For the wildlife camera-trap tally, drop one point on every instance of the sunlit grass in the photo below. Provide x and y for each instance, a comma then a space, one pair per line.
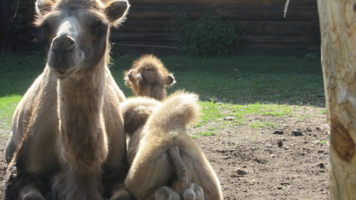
7, 107
214, 112
303, 117
206, 133
258, 124
230, 88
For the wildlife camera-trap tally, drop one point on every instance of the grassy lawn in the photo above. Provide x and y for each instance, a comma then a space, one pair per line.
229, 87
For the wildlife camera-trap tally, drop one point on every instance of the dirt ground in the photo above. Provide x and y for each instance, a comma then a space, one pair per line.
261, 164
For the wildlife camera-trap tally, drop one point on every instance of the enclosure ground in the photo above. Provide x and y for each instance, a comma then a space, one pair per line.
260, 164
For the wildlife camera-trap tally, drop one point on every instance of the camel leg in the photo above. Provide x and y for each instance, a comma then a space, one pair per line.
114, 188
10, 149
166, 193
22, 186
147, 173
30, 192
73, 184
121, 194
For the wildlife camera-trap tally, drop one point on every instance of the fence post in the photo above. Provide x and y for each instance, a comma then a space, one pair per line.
338, 57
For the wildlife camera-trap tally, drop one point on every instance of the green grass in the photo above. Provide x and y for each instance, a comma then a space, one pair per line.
303, 117
228, 86
7, 107
207, 133
258, 124
214, 112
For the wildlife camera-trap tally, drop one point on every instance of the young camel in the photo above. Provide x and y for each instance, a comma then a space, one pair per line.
153, 147
68, 128
149, 77
165, 162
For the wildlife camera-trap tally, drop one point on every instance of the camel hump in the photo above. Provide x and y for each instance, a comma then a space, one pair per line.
136, 111
177, 111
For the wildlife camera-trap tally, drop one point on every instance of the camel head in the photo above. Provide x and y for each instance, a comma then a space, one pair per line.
149, 77
78, 31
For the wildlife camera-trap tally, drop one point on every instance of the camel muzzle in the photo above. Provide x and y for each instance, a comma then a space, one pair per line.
64, 56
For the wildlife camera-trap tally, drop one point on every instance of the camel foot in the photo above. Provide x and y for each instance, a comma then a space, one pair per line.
33, 195
194, 192
166, 193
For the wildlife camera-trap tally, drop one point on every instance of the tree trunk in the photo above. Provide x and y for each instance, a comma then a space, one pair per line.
338, 56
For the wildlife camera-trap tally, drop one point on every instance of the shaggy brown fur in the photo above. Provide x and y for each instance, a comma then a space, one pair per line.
149, 77
68, 129
159, 143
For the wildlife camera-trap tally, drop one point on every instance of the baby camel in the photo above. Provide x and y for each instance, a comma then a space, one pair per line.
149, 77
166, 163
68, 129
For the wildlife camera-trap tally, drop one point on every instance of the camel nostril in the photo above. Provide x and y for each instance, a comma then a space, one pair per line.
70, 41
63, 43
60, 71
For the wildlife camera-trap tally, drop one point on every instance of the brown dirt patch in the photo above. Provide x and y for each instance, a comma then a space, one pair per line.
251, 165
259, 164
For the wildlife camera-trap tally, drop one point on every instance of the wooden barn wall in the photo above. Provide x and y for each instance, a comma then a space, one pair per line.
19, 30
145, 30
5, 15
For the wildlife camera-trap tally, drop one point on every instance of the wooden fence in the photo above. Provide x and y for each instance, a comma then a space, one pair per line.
145, 30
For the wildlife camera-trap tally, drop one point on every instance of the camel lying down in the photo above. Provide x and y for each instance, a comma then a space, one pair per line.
68, 133
166, 163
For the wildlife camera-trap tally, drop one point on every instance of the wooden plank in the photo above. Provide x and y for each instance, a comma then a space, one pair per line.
151, 43
128, 36
277, 39
23, 18
20, 28
5, 13
272, 46
250, 39
244, 49
2, 25
313, 47
143, 49
276, 28
223, 2
143, 26
23, 5
248, 27
272, 50
22, 38
255, 13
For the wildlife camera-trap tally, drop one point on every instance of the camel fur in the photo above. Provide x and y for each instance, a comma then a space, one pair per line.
68, 134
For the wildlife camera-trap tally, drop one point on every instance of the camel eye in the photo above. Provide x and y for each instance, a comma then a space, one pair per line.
99, 28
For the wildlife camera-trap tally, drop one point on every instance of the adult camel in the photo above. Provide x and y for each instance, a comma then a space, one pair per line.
67, 134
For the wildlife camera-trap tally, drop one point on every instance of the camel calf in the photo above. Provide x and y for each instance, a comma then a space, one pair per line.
166, 163
149, 77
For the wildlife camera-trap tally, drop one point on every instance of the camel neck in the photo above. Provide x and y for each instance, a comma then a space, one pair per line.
80, 102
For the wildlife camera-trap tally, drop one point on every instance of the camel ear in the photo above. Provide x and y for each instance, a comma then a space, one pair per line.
139, 79
116, 11
169, 80
43, 7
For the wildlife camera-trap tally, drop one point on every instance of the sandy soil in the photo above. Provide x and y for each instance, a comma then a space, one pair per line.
261, 164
